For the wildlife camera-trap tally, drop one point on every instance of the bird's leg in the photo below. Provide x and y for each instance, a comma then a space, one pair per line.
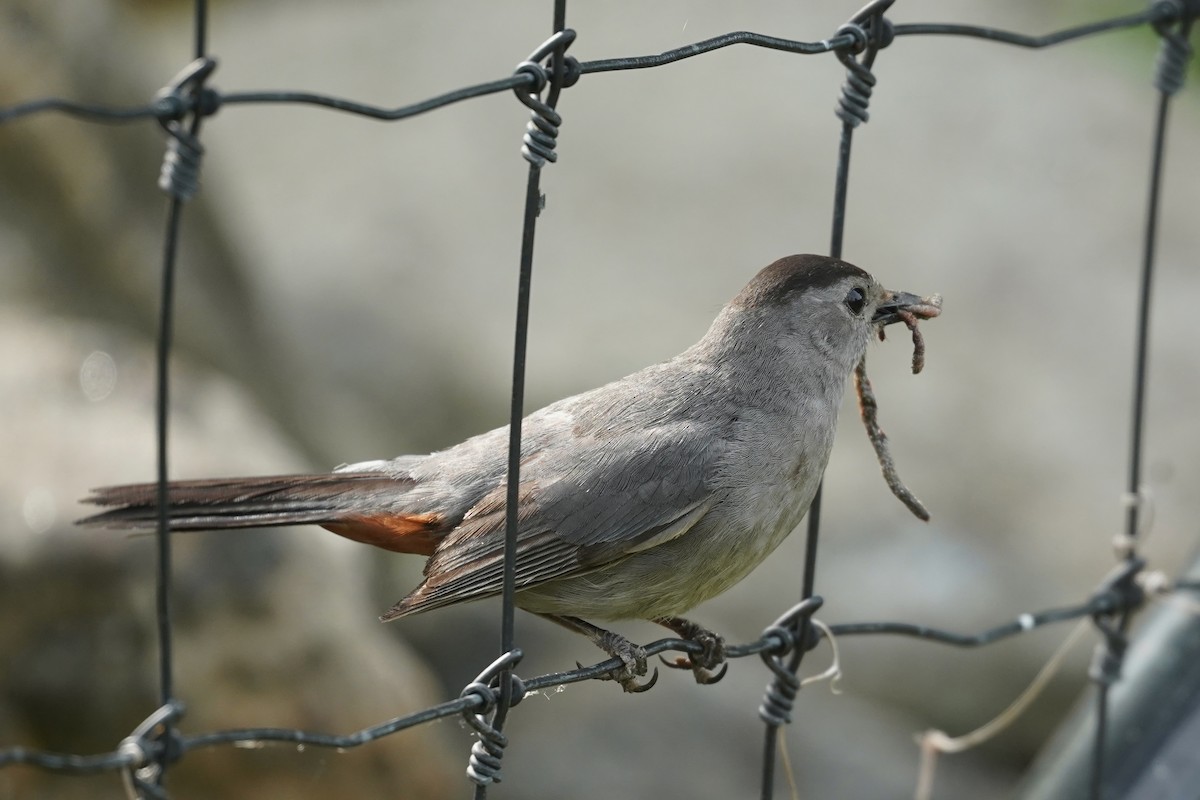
701, 664
632, 656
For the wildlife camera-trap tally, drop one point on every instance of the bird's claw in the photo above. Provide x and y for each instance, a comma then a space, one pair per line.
628, 678
633, 665
704, 676
702, 664
629, 682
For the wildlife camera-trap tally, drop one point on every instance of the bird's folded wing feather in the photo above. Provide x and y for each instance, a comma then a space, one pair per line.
579, 507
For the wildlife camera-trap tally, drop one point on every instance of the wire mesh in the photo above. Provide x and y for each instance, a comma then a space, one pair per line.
146, 755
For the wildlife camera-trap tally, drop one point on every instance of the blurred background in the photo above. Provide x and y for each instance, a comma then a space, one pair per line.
346, 292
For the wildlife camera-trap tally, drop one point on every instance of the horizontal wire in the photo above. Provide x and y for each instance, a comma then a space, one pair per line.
716, 43
1021, 624
164, 108
378, 112
345, 742
58, 762
64, 763
173, 107
1159, 12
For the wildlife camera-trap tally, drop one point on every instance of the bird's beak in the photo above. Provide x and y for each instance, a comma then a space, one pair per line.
896, 305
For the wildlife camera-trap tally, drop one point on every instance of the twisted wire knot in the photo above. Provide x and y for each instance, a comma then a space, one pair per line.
856, 95
1109, 654
541, 137
780, 694
541, 133
786, 640
483, 767
779, 697
871, 32
1119, 595
180, 173
1170, 69
1120, 592
152, 745
858, 33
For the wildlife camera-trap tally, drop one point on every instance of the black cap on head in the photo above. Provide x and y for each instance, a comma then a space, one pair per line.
791, 275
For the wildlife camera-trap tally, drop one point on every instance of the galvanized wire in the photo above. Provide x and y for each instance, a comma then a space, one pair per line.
145, 756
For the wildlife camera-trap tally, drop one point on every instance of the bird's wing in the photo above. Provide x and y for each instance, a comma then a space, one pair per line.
585, 501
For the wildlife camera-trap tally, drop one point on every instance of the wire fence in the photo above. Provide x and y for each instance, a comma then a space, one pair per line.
180, 108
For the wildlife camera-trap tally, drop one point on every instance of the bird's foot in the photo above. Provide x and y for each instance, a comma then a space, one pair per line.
703, 663
633, 659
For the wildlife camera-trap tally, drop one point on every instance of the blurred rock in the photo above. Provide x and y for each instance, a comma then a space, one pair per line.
271, 629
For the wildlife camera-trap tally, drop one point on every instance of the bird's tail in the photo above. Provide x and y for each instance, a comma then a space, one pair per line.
365, 506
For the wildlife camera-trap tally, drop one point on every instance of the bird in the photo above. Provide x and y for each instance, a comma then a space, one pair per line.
636, 500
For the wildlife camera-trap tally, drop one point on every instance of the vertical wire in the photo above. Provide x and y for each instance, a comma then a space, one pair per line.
512, 494
162, 419
1096, 778
837, 234
1141, 357
840, 190
512, 490
201, 28
520, 346
533, 203
813, 527
1141, 369
165, 325
770, 742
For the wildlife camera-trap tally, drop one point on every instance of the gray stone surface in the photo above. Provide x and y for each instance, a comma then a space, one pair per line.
271, 629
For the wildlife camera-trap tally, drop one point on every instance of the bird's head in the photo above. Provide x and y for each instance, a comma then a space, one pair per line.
820, 310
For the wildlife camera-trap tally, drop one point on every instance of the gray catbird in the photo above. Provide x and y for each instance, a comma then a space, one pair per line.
638, 499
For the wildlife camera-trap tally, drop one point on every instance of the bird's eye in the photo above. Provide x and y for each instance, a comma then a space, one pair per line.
856, 298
